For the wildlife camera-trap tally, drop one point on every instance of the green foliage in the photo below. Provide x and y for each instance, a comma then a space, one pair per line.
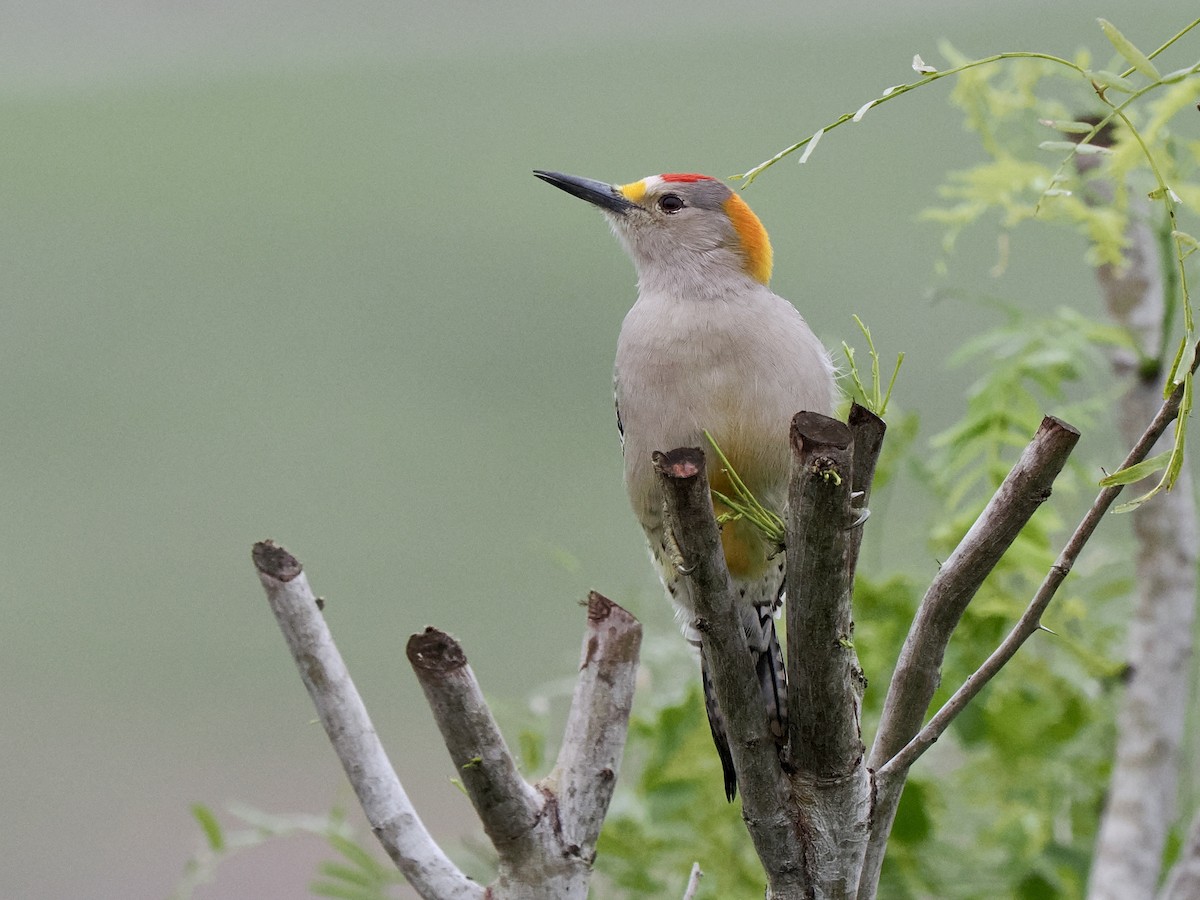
1119, 155
356, 875
874, 397
360, 876
1129, 138
669, 810
1017, 109
1018, 790
744, 505
883, 610
1013, 806
1026, 365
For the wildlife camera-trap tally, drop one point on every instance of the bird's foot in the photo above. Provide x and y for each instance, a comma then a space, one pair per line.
861, 514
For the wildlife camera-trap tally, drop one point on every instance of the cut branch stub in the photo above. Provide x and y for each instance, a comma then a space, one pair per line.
690, 521
435, 651
824, 678
682, 462
273, 561
589, 759
507, 806
689, 518
813, 434
600, 607
869, 431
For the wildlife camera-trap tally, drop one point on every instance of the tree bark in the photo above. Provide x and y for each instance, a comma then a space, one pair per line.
825, 682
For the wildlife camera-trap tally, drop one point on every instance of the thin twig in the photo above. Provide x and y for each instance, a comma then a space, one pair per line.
918, 669
1030, 620
693, 884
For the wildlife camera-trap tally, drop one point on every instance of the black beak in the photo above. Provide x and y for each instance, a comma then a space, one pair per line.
606, 196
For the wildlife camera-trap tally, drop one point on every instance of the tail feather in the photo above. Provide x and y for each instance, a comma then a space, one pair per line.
716, 724
772, 678
772, 682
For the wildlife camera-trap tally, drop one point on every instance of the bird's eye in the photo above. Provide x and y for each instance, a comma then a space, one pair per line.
671, 203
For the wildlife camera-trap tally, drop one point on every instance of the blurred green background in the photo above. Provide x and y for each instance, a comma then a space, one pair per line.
281, 270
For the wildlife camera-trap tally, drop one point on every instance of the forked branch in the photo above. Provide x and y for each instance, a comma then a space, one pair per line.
344, 718
544, 834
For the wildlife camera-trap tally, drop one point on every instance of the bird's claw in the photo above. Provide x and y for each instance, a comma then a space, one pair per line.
861, 516
675, 555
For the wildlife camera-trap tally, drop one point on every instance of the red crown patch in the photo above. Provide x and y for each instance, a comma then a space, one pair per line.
686, 177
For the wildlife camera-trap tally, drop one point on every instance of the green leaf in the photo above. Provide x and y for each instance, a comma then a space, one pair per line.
1112, 80
1162, 193
347, 874
875, 399
1137, 472
1035, 886
338, 891
913, 823
1072, 147
1126, 48
1068, 127
745, 504
355, 853
210, 826
1178, 75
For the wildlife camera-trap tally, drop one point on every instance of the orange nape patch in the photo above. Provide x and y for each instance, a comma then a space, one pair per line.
753, 237
634, 191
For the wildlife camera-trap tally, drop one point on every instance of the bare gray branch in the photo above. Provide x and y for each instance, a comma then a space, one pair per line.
507, 806
545, 835
590, 758
1030, 620
344, 717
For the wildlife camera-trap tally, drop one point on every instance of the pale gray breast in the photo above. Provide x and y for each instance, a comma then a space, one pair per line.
739, 369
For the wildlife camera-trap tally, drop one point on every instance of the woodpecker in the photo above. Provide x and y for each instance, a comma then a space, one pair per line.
707, 346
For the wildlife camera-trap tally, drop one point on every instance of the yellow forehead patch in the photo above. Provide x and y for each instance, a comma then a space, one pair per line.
755, 243
634, 191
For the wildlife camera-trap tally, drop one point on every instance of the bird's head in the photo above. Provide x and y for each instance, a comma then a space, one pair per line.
679, 227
